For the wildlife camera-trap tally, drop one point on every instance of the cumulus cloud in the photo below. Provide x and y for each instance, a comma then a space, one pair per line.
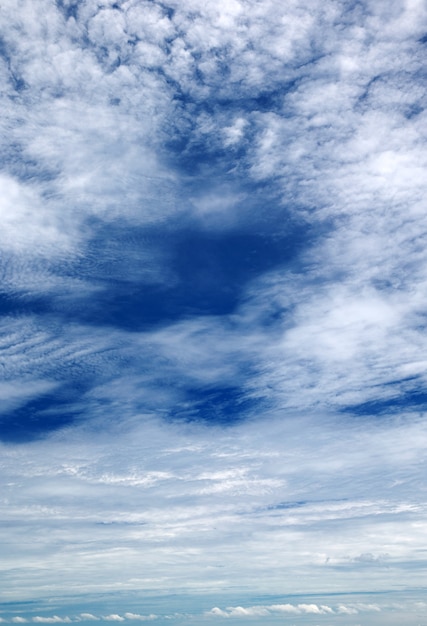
292, 609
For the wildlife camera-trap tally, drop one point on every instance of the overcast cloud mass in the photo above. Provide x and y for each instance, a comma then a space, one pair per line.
214, 296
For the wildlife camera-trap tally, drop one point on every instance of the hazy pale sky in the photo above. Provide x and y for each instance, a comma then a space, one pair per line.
213, 347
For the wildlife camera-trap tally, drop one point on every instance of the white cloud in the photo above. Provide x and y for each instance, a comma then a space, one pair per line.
51, 620
127, 530
142, 618
218, 612
292, 609
346, 610
26, 226
324, 110
233, 134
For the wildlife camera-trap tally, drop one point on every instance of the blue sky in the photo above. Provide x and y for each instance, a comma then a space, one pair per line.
213, 299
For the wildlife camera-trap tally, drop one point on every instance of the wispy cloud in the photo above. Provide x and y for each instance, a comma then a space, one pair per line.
51, 620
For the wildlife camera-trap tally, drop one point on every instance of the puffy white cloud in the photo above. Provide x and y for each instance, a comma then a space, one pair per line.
292, 609
218, 612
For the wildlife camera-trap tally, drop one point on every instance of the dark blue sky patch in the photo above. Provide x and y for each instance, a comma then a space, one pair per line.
152, 277
143, 279
215, 405
42, 415
10, 305
409, 401
68, 9
17, 305
191, 155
